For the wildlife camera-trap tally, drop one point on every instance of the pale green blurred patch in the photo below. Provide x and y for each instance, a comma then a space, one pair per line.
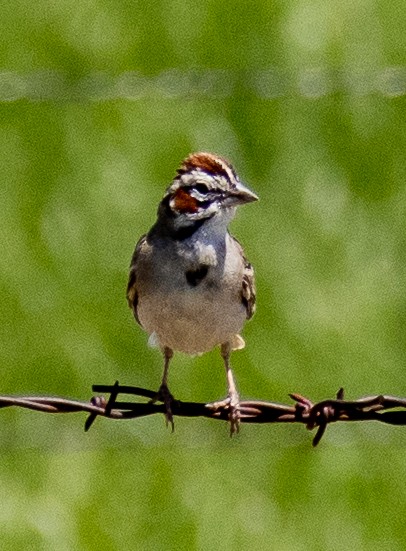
99, 102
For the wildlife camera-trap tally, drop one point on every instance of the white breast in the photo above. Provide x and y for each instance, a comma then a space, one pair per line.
191, 319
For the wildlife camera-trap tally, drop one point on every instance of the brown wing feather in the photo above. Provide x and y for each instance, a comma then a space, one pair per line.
132, 293
248, 291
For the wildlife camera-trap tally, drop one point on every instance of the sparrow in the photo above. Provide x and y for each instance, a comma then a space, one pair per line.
190, 286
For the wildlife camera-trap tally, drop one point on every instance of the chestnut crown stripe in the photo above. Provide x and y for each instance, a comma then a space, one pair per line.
209, 163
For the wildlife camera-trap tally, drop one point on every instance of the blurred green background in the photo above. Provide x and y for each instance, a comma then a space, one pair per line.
99, 102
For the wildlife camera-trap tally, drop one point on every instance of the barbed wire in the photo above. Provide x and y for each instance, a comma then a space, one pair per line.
43, 85
312, 415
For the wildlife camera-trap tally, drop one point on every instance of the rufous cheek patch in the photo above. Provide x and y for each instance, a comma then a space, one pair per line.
185, 203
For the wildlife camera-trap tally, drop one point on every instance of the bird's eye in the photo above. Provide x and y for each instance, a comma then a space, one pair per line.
202, 188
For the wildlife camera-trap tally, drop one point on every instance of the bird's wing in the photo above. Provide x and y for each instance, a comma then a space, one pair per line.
132, 292
248, 291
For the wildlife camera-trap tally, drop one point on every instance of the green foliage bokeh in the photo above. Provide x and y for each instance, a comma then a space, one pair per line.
310, 109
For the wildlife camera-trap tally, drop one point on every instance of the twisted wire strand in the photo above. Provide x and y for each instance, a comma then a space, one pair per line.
316, 415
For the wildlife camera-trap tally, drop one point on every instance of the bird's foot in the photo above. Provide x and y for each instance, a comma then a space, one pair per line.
232, 404
163, 395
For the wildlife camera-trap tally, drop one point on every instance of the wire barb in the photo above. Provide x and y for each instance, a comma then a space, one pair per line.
313, 415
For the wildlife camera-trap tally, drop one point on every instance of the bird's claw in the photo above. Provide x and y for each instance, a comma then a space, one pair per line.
164, 395
232, 405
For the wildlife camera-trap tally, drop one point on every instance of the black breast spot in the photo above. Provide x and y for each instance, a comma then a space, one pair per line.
194, 277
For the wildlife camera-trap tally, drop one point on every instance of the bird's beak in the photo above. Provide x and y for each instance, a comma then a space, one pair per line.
241, 194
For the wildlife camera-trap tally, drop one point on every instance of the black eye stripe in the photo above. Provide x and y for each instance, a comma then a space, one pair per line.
205, 204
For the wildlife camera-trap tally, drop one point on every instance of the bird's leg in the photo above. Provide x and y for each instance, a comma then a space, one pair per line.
233, 396
163, 394
232, 402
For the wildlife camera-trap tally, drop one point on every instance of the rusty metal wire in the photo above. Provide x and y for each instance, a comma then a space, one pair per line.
312, 415
268, 83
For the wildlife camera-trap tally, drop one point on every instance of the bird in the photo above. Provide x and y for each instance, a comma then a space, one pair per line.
190, 285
